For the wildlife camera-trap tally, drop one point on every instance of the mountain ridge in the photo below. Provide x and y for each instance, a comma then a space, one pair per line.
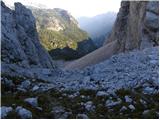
98, 27
59, 33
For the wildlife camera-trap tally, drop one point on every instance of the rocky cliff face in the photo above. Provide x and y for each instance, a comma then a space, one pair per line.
136, 26
52, 19
20, 42
60, 35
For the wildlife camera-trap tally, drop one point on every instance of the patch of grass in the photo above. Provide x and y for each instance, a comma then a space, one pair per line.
47, 100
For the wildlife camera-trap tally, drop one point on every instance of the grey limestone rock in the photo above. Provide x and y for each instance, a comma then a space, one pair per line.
82, 116
4, 111
128, 99
32, 101
23, 113
110, 103
20, 42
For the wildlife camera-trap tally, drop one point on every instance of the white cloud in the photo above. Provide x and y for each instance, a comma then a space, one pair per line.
76, 7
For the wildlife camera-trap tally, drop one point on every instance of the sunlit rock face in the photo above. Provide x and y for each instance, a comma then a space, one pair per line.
60, 34
136, 26
20, 42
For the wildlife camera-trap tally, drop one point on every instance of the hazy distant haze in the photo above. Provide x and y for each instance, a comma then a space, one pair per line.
77, 8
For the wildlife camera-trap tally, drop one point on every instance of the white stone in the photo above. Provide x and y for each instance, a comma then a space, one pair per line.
21, 89
109, 103
4, 111
32, 101
35, 88
154, 62
131, 107
101, 93
82, 96
128, 99
145, 112
82, 116
123, 109
59, 112
26, 84
89, 106
143, 102
23, 113
148, 90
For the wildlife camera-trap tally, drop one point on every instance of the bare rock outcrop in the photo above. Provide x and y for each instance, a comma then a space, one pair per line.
20, 41
136, 26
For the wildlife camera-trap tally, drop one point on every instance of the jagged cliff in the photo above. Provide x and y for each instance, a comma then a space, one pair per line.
60, 34
136, 27
20, 42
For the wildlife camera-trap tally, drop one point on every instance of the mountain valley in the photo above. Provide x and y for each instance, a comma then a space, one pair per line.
118, 78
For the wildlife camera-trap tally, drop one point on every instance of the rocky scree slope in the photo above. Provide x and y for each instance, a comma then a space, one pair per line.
136, 27
124, 86
39, 90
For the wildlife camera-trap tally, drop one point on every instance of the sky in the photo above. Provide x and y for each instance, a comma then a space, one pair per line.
77, 8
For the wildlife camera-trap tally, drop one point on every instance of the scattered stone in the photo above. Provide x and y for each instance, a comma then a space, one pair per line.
128, 99
44, 87
64, 94
39, 108
71, 96
131, 107
81, 103
148, 90
26, 84
87, 78
7, 83
65, 115
154, 62
145, 112
32, 101
23, 113
89, 106
46, 71
123, 109
101, 93
36, 87
82, 96
59, 112
111, 103
21, 89
82, 116
146, 85
142, 102
5, 111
